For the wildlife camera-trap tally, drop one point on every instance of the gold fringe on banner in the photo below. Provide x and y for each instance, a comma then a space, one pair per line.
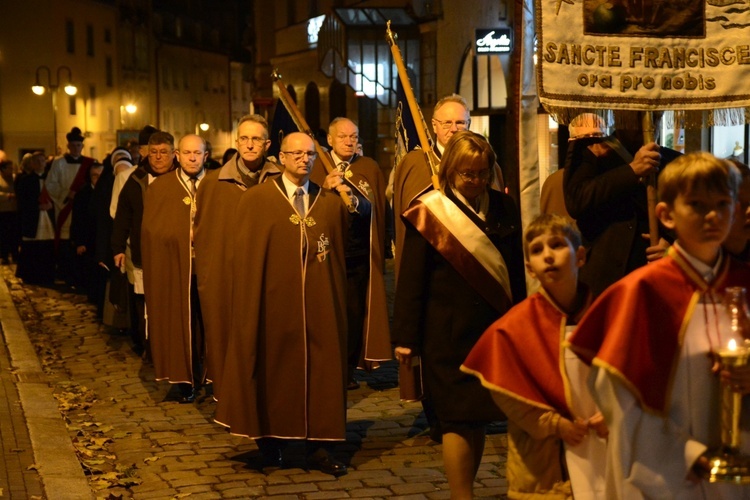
630, 119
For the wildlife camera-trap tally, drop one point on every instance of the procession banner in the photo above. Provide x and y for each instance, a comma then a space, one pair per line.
684, 55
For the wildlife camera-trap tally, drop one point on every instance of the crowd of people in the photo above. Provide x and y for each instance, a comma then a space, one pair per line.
261, 282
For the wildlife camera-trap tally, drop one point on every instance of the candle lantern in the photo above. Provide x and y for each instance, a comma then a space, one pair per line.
728, 464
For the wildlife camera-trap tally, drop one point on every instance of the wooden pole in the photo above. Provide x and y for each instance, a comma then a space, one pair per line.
299, 120
647, 125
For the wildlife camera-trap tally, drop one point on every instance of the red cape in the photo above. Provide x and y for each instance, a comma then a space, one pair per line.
635, 328
520, 354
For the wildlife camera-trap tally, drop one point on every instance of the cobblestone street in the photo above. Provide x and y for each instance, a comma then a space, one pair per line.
133, 442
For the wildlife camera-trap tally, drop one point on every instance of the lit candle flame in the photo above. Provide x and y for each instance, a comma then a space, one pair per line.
732, 346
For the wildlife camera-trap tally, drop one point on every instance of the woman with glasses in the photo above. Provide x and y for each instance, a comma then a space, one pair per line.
462, 268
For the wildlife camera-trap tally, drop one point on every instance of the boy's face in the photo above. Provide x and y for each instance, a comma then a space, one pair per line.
553, 260
701, 218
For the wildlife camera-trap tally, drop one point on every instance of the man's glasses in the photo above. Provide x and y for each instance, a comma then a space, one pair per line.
448, 124
258, 141
159, 152
482, 175
297, 155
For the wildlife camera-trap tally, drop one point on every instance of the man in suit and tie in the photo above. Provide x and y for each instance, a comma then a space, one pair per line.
285, 365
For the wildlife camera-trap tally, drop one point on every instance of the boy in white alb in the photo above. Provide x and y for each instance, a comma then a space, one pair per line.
652, 337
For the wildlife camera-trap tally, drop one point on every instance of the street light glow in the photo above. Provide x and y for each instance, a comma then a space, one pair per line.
204, 126
131, 108
38, 89
71, 89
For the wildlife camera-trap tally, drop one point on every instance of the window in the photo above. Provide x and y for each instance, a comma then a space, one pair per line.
72, 105
89, 40
92, 100
107, 35
109, 73
70, 36
165, 78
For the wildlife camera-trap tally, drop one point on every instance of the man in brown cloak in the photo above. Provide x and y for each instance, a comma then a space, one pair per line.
172, 306
285, 362
215, 225
367, 313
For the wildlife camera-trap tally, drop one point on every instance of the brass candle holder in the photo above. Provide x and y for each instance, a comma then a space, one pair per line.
727, 463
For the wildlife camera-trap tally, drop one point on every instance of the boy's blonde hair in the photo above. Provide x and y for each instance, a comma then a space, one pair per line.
698, 169
551, 223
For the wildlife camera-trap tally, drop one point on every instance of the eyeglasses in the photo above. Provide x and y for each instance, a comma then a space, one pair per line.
299, 154
482, 175
258, 141
448, 124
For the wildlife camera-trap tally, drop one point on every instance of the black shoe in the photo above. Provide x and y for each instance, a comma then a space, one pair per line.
353, 385
324, 462
188, 396
273, 458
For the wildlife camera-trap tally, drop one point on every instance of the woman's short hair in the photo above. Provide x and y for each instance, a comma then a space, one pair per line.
462, 148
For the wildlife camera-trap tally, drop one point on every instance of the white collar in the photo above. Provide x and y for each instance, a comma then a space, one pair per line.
290, 187
707, 272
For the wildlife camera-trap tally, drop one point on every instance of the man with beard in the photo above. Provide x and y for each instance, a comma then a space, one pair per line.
215, 225
171, 291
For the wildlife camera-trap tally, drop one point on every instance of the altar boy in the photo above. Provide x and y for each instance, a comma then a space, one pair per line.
651, 338
552, 420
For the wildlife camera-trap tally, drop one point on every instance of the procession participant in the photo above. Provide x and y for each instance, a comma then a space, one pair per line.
413, 177
368, 339
215, 224
126, 228
66, 176
171, 292
553, 423
605, 193
654, 368
286, 356
463, 246
36, 260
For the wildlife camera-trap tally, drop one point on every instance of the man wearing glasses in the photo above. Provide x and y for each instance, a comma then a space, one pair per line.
127, 224
413, 177
285, 361
174, 313
215, 225
368, 341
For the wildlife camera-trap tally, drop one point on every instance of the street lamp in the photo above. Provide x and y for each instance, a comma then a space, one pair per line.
39, 88
201, 123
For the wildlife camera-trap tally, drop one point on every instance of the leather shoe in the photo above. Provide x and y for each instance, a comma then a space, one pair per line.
352, 385
188, 397
273, 459
325, 463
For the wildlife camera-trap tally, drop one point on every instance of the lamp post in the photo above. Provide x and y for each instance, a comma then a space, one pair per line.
39, 88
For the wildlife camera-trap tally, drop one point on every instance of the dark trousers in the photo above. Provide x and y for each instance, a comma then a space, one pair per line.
9, 235
357, 280
138, 321
198, 340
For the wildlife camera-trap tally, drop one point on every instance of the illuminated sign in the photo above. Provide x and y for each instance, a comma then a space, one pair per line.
493, 41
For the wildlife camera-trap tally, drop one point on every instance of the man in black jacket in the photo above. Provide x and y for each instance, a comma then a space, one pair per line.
127, 223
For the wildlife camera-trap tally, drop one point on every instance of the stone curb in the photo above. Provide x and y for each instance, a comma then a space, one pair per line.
59, 469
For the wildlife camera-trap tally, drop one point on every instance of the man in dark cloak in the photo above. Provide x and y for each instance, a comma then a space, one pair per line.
170, 285
215, 225
284, 371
